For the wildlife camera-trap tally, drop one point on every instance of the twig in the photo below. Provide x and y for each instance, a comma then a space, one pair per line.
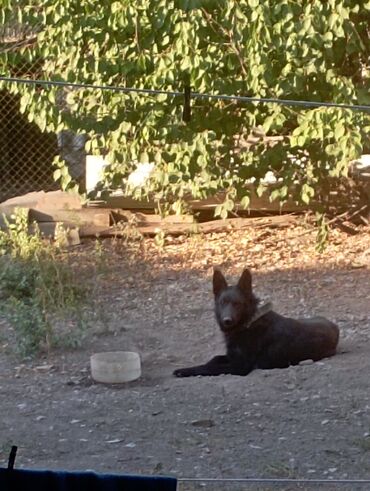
347, 215
341, 217
228, 34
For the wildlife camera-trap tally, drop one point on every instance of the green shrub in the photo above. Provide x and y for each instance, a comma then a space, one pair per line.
307, 50
39, 291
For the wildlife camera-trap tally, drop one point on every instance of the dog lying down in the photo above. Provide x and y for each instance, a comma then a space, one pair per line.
258, 337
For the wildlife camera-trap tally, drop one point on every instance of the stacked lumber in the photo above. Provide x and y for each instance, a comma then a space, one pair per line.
155, 224
57, 210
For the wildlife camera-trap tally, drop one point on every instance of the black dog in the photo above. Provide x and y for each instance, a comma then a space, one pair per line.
257, 337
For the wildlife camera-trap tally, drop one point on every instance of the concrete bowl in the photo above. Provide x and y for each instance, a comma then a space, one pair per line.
115, 367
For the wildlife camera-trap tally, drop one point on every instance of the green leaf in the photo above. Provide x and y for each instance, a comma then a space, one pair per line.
260, 190
144, 158
339, 130
307, 192
244, 202
57, 174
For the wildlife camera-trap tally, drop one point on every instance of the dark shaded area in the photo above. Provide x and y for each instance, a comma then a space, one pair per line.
26, 153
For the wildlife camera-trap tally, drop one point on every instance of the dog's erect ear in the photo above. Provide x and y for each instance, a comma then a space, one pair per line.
219, 282
245, 282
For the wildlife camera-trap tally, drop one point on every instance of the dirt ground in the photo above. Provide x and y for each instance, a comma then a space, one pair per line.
310, 421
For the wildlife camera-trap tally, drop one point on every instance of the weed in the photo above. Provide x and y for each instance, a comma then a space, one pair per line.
39, 290
322, 232
31, 329
101, 265
363, 443
16, 239
5, 448
280, 470
160, 239
129, 230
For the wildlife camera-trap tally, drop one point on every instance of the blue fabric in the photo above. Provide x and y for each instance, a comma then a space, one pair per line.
40, 480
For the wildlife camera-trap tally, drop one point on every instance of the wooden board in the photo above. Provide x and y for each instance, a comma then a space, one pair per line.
257, 203
43, 203
140, 218
56, 200
214, 226
83, 216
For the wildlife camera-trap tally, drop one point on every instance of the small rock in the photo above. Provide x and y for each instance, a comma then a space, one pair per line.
131, 445
203, 423
44, 368
306, 362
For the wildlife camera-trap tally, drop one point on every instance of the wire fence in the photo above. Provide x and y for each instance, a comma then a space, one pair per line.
27, 153
272, 484
194, 95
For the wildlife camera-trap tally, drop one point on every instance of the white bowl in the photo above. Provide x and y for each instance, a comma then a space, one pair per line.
115, 367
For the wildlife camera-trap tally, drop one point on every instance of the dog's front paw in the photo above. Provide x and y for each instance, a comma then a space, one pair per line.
182, 372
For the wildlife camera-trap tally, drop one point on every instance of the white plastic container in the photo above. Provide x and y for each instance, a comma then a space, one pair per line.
115, 367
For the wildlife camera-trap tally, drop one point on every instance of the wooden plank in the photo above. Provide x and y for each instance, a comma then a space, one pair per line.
44, 203
128, 203
56, 200
49, 229
91, 216
257, 203
146, 218
214, 226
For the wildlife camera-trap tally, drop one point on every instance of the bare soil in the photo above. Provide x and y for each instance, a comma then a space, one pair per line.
309, 421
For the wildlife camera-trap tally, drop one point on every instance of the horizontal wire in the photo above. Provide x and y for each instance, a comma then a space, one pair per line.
194, 95
91, 86
276, 481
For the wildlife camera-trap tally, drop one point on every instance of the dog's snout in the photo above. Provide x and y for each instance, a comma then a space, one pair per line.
227, 321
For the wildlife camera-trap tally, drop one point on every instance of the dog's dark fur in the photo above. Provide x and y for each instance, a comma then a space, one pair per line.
271, 341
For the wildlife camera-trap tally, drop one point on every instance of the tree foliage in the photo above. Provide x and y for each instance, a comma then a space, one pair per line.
308, 50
